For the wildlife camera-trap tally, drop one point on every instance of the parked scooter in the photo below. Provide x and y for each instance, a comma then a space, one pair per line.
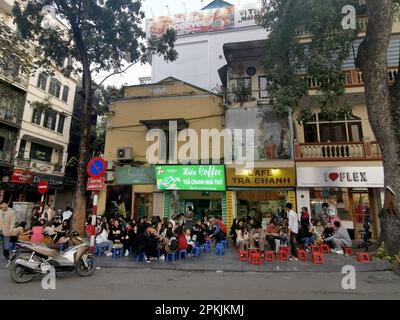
366, 235
31, 260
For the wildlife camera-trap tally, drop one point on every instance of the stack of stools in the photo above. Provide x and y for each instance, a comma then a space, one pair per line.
219, 249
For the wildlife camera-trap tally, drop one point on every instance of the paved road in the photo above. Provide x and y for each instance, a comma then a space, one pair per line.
172, 284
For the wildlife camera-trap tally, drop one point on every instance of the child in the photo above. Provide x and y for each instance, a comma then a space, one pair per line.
318, 231
17, 232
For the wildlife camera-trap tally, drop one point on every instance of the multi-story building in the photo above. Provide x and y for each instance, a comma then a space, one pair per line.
337, 162
40, 148
201, 36
131, 118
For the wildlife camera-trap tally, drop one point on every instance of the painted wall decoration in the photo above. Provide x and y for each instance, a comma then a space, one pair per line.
273, 134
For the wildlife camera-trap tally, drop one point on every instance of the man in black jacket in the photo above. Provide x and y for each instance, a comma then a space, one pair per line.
147, 243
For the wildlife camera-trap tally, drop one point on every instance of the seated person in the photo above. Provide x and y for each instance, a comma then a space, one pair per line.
18, 232
242, 238
257, 237
117, 235
147, 243
318, 231
183, 243
340, 239
102, 239
329, 231
272, 234
199, 231
215, 231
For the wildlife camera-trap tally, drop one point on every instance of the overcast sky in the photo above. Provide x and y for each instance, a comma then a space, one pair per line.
158, 8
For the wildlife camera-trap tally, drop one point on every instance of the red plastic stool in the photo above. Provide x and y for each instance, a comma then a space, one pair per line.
302, 255
363, 257
244, 255
255, 259
252, 251
283, 254
324, 248
315, 249
269, 255
347, 251
317, 258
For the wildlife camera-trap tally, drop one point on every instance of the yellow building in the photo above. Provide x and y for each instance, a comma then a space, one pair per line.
154, 106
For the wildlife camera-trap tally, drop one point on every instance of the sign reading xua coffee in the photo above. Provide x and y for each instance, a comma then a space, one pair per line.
191, 177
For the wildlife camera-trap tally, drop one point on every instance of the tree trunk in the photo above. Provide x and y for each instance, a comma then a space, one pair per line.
80, 200
372, 59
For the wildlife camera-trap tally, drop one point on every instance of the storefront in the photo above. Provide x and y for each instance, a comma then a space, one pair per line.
260, 192
133, 192
354, 193
201, 187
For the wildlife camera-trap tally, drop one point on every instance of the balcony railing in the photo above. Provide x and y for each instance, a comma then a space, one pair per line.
10, 116
15, 77
337, 151
39, 166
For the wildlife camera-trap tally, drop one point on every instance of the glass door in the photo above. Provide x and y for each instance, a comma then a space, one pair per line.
362, 211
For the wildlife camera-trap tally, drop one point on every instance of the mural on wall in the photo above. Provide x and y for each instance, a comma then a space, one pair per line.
273, 134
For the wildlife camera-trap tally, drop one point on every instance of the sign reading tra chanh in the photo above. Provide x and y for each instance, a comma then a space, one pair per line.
261, 177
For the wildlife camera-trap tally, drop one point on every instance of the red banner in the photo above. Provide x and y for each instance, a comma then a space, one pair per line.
21, 176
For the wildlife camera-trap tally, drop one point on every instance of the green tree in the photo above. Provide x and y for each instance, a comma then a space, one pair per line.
292, 60
99, 35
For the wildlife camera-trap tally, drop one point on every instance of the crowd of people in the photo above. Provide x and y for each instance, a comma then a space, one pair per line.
155, 237
295, 229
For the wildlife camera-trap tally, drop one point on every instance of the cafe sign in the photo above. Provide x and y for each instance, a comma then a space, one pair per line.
346, 177
134, 175
261, 177
191, 177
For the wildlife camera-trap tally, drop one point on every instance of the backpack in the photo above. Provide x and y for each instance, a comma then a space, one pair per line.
174, 244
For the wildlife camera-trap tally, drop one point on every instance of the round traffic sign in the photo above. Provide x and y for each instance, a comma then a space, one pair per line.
43, 187
96, 167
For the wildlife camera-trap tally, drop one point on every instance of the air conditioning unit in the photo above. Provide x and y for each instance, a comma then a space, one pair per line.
124, 154
110, 165
109, 176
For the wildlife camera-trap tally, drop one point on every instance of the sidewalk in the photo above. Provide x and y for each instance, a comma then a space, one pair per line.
230, 263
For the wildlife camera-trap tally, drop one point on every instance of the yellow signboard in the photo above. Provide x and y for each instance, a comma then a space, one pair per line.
261, 177
291, 197
229, 208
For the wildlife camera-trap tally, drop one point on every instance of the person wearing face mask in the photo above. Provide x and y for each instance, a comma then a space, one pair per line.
198, 231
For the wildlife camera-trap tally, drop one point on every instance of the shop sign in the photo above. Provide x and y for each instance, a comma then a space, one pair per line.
53, 181
191, 177
261, 177
21, 176
346, 177
291, 197
134, 175
95, 184
229, 207
246, 15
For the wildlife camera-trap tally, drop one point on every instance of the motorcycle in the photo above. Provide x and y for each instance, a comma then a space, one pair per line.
366, 236
31, 260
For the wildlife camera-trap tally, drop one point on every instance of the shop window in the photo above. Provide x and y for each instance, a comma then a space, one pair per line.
355, 132
55, 87
333, 132
263, 85
310, 133
40, 152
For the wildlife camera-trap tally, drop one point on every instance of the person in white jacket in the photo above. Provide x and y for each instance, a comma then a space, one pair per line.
102, 239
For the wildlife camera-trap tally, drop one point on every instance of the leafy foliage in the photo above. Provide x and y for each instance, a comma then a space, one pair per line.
306, 42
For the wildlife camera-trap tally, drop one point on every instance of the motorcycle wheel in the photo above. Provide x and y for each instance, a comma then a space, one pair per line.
20, 275
84, 271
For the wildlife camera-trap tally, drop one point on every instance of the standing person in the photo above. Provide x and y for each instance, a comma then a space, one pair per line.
233, 231
7, 223
189, 218
323, 215
67, 214
48, 213
305, 233
293, 230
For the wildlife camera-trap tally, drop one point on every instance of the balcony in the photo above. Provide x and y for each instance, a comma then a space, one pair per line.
338, 151
10, 116
14, 76
39, 166
5, 157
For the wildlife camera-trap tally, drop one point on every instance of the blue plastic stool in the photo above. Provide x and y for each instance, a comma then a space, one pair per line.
171, 256
141, 257
209, 243
196, 251
117, 252
99, 251
206, 248
225, 243
158, 253
219, 249
182, 253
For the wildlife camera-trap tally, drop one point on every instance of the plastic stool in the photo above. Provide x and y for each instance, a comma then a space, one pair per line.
269, 255
243, 255
206, 248
324, 248
317, 258
219, 249
117, 252
171, 256
98, 251
225, 243
196, 251
302, 255
209, 243
255, 259
141, 257
251, 251
315, 249
363, 257
347, 251
283, 254
182, 253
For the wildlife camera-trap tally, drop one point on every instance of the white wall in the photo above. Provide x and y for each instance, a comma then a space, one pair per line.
303, 198
201, 55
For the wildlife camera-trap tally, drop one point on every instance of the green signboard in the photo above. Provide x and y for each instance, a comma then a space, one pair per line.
134, 175
191, 177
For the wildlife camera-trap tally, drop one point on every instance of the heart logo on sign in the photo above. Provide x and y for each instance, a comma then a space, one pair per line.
333, 176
